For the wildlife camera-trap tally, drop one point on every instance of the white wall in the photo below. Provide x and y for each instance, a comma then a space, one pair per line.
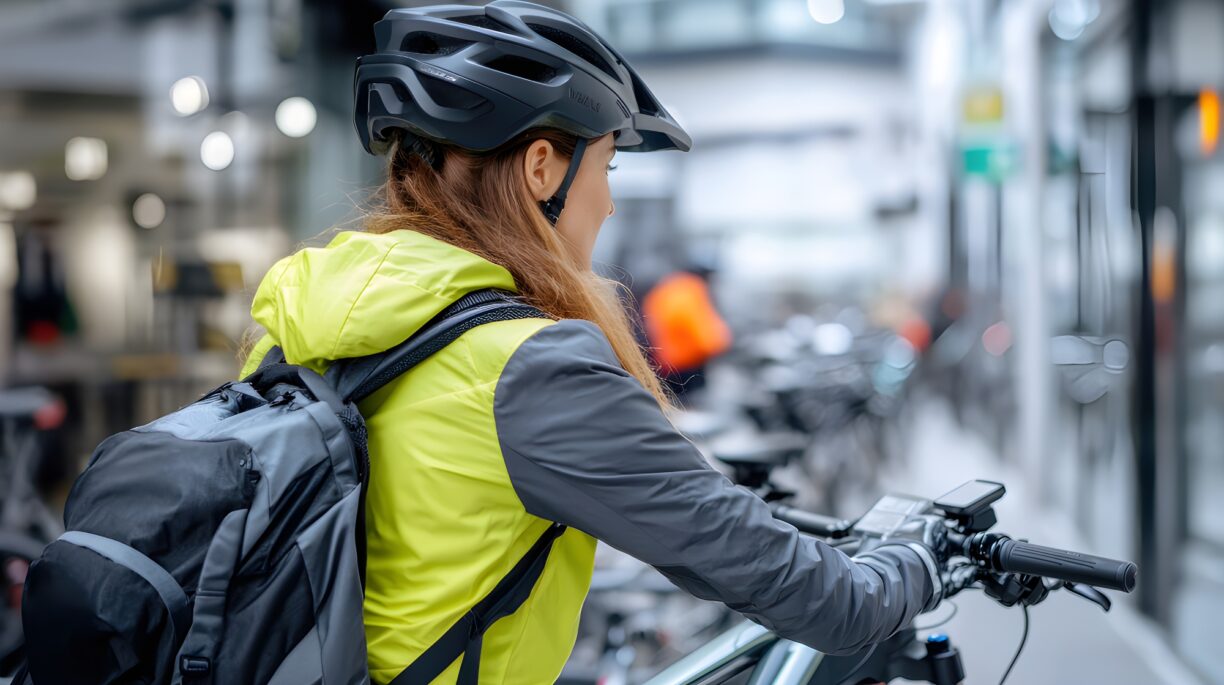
790, 159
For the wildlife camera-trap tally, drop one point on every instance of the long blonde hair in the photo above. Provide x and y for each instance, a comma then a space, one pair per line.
479, 202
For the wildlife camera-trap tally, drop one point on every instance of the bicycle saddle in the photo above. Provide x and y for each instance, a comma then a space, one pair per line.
768, 449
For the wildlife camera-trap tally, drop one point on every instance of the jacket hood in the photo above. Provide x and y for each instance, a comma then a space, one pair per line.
364, 293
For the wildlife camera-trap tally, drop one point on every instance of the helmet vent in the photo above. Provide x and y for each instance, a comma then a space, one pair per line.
484, 22
423, 43
576, 46
523, 68
646, 103
449, 95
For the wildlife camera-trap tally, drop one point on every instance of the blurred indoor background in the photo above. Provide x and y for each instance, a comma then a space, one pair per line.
985, 229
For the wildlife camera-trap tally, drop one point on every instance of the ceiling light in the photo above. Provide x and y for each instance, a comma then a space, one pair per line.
17, 190
189, 95
217, 150
296, 117
148, 211
1069, 18
85, 158
826, 11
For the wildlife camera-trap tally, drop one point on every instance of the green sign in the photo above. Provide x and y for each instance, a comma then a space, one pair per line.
995, 159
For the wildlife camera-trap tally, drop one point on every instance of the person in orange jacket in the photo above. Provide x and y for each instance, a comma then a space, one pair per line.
684, 329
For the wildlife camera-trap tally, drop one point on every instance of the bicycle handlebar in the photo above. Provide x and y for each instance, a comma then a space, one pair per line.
1001, 553
811, 523
992, 551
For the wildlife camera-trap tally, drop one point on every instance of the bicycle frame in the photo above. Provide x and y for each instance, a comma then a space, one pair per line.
745, 647
770, 660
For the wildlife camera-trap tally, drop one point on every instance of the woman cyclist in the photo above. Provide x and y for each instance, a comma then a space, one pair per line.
499, 124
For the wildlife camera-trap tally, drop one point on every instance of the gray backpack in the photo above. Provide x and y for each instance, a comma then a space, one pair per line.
224, 543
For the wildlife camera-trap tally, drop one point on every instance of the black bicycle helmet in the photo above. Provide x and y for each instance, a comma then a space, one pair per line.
476, 77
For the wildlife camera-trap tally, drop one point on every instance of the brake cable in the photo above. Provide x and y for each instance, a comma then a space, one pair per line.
1023, 640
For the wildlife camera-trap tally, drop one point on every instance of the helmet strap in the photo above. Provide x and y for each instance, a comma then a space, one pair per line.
554, 205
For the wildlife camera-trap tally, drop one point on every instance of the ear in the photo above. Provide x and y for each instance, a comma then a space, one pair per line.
540, 169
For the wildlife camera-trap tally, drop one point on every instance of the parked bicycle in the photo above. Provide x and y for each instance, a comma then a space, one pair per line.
26, 523
845, 392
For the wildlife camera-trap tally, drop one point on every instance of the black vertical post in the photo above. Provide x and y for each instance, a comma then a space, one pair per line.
1180, 348
1171, 340
226, 99
1159, 402
1144, 403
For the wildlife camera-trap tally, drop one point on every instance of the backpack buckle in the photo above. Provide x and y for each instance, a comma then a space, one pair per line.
194, 665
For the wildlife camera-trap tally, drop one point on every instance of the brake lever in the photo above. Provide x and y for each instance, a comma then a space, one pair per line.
1090, 593
958, 578
1010, 589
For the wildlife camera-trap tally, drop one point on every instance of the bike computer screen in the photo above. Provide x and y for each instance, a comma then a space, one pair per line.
970, 497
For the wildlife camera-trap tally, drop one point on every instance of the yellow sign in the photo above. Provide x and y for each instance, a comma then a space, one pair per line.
983, 105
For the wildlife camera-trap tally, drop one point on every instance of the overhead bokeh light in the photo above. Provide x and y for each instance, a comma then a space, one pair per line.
296, 117
189, 95
85, 159
1069, 18
18, 190
217, 150
826, 11
149, 211
832, 339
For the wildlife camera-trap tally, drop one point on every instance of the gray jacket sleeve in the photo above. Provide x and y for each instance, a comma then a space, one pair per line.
587, 446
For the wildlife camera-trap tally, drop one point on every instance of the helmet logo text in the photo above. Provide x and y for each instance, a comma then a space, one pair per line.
584, 99
438, 73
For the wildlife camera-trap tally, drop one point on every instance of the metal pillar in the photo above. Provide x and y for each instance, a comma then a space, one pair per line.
1157, 414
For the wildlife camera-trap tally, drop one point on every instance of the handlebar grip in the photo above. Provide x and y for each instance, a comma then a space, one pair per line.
812, 524
1022, 557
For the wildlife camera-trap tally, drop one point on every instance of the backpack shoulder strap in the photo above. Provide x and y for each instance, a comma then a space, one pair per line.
465, 637
358, 378
274, 355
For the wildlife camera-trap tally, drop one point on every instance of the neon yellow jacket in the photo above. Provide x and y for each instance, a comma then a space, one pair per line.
516, 424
